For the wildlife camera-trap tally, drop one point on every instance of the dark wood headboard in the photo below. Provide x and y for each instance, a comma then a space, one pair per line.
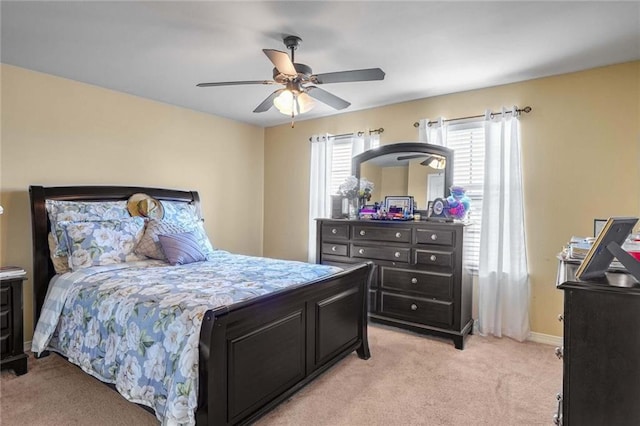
42, 266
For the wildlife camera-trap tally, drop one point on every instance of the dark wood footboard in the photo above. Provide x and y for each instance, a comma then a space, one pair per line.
255, 355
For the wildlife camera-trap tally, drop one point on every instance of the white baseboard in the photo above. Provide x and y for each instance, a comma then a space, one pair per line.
547, 339
27, 346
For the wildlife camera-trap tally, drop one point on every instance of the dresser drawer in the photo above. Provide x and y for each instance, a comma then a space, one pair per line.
416, 309
5, 315
374, 233
434, 258
335, 249
394, 254
427, 284
335, 231
5, 295
437, 237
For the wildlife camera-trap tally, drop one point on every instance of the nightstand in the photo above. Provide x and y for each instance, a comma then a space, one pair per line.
11, 325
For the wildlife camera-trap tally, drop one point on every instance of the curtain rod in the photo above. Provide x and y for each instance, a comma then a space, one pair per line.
519, 111
361, 133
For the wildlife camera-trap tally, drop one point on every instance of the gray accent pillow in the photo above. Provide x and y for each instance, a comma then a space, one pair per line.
182, 248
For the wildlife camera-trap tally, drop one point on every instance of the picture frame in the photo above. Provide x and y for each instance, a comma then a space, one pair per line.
598, 224
398, 202
606, 247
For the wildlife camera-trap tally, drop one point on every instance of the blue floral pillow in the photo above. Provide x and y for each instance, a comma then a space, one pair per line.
102, 242
80, 211
179, 213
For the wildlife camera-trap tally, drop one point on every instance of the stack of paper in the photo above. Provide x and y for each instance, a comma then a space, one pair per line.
578, 248
11, 272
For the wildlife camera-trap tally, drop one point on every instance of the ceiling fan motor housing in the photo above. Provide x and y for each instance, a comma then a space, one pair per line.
304, 71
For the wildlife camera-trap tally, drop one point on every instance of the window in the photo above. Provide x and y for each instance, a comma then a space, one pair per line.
467, 142
340, 163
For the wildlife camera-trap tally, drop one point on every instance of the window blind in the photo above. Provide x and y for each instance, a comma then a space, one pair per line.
340, 163
467, 142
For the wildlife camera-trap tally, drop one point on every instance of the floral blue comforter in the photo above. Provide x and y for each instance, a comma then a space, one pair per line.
139, 326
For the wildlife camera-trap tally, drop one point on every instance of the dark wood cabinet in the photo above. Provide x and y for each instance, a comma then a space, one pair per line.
601, 352
11, 326
420, 281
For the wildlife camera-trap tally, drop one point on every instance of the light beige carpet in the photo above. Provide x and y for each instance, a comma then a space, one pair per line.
409, 380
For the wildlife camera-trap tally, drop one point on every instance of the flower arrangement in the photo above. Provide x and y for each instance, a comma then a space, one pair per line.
349, 188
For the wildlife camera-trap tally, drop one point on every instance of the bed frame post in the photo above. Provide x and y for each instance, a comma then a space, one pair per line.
41, 260
212, 392
363, 350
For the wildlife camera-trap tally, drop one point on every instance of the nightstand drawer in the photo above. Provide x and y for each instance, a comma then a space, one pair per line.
335, 232
335, 249
394, 254
427, 284
5, 296
418, 310
376, 233
12, 355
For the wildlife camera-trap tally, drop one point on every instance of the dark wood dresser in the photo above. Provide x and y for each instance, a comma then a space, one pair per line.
601, 352
419, 280
11, 325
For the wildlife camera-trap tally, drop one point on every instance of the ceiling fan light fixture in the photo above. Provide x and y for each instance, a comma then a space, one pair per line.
291, 103
438, 162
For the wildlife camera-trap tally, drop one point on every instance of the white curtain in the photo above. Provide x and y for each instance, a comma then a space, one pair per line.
434, 134
319, 182
363, 143
503, 278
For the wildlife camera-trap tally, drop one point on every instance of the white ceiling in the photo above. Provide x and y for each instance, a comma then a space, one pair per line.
160, 50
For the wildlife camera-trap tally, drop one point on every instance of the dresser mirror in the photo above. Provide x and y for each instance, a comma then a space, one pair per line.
421, 170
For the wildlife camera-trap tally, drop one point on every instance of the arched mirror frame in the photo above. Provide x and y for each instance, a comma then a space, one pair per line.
407, 148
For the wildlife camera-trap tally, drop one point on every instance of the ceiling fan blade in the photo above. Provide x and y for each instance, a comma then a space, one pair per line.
409, 157
235, 83
369, 74
325, 97
281, 61
267, 103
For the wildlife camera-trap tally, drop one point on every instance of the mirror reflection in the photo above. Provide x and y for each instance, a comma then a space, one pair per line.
407, 169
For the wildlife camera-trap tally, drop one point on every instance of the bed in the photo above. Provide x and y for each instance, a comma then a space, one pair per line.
252, 354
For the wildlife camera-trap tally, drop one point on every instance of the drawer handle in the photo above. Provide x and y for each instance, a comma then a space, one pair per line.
414, 280
560, 318
334, 231
334, 248
361, 251
433, 258
434, 237
559, 353
414, 307
396, 254
398, 235
362, 232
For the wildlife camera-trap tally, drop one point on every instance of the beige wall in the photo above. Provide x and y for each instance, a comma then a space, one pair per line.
580, 151
60, 132
394, 181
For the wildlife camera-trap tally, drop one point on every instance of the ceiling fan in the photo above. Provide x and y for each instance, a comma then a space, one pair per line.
431, 160
298, 95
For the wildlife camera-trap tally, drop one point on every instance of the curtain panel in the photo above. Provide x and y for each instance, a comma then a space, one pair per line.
503, 277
